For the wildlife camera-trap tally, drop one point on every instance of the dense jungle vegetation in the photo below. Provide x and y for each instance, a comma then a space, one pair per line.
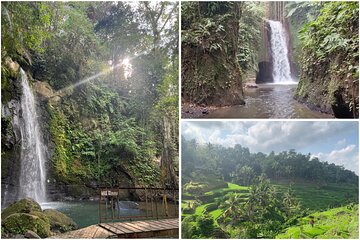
120, 127
225, 44
230, 192
329, 56
217, 49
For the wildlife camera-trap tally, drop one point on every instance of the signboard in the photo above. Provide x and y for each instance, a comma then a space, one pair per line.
109, 193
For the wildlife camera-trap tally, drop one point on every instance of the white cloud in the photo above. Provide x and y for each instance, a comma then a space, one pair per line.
341, 142
347, 157
264, 136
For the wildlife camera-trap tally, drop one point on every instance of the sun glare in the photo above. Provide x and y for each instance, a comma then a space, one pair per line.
127, 67
126, 62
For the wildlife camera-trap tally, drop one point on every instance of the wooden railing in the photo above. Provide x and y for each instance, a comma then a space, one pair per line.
151, 203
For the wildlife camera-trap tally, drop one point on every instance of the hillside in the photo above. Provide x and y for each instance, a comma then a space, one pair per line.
340, 222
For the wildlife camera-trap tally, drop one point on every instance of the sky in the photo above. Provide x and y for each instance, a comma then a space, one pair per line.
332, 141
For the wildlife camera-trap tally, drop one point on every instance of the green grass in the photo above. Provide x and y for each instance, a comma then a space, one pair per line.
335, 223
231, 187
200, 209
311, 195
216, 213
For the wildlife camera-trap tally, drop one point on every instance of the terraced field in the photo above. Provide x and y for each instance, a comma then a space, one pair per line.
318, 198
340, 222
209, 200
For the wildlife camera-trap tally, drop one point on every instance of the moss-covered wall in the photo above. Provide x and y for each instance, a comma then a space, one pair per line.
330, 60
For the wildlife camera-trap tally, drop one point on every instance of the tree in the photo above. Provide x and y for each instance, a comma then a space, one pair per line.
244, 175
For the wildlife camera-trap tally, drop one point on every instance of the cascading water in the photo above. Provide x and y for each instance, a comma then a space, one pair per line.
32, 170
279, 51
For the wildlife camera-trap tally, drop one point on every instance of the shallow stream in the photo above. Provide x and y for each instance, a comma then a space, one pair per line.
269, 101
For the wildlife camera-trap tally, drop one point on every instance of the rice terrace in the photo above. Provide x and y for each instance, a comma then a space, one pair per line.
232, 192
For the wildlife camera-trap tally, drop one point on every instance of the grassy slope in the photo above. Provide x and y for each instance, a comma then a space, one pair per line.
311, 196
317, 197
222, 191
340, 222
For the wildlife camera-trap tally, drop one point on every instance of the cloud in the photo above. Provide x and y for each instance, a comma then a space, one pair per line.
267, 136
264, 136
341, 142
347, 157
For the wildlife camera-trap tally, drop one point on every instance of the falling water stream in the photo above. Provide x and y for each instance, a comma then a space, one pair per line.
32, 171
274, 100
279, 52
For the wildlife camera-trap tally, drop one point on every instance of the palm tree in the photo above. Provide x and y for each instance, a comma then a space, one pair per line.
232, 207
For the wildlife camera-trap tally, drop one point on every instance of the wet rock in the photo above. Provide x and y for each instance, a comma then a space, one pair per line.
94, 199
59, 222
265, 72
54, 100
31, 234
25, 205
12, 66
43, 89
251, 85
18, 236
205, 111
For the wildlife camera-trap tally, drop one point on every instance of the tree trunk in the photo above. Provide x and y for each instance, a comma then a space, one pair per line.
168, 174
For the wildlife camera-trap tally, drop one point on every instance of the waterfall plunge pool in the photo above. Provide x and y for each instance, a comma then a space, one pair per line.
86, 213
269, 101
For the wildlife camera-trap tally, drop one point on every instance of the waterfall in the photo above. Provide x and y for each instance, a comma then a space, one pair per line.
279, 52
32, 170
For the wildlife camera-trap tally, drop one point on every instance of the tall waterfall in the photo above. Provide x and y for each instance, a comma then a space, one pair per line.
32, 170
279, 51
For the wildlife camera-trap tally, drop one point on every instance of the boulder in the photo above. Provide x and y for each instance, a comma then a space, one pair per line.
20, 223
251, 85
25, 205
59, 222
43, 89
12, 66
31, 234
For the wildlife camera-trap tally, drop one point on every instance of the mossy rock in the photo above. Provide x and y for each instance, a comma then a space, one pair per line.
25, 205
41, 215
59, 222
20, 223
13, 68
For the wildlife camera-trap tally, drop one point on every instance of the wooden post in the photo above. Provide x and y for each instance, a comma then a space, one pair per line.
117, 204
146, 204
106, 204
156, 208
100, 206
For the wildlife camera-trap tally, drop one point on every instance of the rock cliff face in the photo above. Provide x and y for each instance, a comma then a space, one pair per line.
12, 119
329, 94
10, 132
58, 188
214, 77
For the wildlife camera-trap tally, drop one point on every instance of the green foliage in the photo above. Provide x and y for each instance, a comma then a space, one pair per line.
239, 165
210, 52
334, 223
264, 209
89, 146
194, 187
25, 27
105, 127
329, 59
